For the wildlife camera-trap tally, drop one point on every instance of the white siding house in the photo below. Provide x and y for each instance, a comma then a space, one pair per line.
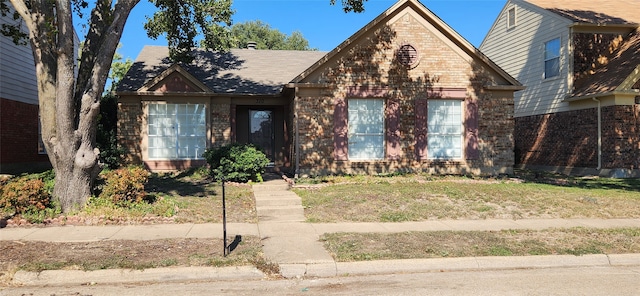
579, 62
519, 50
17, 70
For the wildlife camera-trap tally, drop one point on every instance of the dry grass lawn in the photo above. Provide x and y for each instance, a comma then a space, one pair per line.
421, 197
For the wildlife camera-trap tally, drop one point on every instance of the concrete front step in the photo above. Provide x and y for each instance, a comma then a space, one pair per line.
271, 203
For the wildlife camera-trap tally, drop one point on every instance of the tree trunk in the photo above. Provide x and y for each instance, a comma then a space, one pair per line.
70, 103
73, 184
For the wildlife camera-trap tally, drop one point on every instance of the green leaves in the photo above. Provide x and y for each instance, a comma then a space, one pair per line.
182, 21
266, 37
236, 162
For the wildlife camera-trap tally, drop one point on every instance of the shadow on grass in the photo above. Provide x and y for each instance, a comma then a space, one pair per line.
193, 182
627, 184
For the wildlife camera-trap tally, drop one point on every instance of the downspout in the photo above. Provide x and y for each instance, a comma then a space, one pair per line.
599, 134
296, 139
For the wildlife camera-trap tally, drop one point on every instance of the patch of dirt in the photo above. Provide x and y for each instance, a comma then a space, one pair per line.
128, 254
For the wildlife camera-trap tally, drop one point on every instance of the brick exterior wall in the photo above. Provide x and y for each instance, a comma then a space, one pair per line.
130, 131
570, 139
621, 137
373, 63
220, 124
19, 138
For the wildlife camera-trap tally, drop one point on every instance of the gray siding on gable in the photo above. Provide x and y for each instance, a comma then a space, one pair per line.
17, 70
520, 52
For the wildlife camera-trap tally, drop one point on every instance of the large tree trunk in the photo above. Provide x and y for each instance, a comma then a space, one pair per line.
70, 104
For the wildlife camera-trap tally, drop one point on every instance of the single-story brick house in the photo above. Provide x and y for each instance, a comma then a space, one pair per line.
404, 93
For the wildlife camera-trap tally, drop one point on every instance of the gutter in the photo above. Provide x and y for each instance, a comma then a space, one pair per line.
599, 133
296, 139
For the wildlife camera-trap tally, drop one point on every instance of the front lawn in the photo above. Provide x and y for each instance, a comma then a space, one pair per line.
418, 197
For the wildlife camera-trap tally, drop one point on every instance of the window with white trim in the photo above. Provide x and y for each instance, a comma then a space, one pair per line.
552, 58
176, 131
366, 129
444, 129
511, 17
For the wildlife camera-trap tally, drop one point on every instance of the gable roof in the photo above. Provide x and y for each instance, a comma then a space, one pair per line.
239, 71
434, 20
618, 12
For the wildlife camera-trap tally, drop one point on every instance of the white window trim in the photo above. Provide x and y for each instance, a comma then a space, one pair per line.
509, 18
148, 136
544, 59
462, 131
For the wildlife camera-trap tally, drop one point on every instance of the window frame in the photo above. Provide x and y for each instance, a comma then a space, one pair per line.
177, 135
555, 57
512, 20
351, 149
460, 134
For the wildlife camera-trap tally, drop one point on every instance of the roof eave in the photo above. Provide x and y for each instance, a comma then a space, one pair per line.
632, 92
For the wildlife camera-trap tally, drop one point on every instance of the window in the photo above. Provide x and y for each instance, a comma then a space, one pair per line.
552, 58
177, 131
444, 129
366, 129
511, 18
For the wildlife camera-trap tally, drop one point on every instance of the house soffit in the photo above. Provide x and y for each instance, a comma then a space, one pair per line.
175, 68
430, 22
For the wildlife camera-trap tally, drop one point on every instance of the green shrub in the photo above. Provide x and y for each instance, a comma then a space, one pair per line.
236, 162
125, 185
25, 194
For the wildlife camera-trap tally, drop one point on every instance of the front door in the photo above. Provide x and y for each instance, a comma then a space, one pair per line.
261, 131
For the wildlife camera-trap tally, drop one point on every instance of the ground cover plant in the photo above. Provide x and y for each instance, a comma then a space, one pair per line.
415, 197
346, 247
130, 195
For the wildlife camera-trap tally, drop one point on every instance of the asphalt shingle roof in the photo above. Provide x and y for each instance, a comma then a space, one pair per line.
594, 11
239, 71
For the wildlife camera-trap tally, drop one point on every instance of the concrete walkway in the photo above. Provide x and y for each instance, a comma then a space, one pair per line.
295, 246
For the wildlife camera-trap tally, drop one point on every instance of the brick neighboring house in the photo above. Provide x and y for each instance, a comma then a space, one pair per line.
20, 147
580, 63
404, 93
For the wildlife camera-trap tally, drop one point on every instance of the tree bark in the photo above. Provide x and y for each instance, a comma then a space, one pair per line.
69, 105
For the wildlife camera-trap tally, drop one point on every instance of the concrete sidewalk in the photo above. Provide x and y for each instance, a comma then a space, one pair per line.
295, 246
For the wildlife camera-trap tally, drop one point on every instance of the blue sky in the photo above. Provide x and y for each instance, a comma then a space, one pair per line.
324, 26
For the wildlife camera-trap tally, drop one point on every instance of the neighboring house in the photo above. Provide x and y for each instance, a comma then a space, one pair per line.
20, 147
580, 63
404, 93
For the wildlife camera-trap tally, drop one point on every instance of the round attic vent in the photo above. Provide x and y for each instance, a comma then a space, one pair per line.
407, 55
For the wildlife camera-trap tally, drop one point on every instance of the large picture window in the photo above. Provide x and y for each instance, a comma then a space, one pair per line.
366, 129
552, 58
445, 129
177, 131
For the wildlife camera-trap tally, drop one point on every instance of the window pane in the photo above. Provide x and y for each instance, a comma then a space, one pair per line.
366, 129
177, 131
552, 68
444, 129
552, 49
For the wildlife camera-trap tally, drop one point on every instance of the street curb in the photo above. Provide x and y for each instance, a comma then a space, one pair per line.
320, 270
115, 276
484, 263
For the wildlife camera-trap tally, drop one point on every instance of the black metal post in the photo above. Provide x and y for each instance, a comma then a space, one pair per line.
224, 221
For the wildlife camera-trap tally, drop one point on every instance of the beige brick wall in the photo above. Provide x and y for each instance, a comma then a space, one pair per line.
130, 130
373, 63
220, 124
